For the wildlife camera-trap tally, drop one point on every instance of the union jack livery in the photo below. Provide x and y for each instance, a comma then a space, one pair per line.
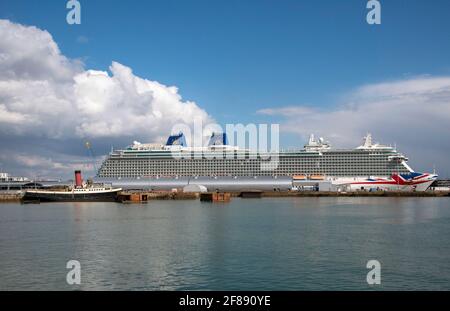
397, 182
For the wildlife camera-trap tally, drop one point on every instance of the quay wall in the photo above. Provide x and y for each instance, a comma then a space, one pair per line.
168, 195
10, 196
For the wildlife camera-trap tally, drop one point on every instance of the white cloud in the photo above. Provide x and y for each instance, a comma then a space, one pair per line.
50, 104
124, 104
37, 161
10, 117
27, 52
46, 166
45, 94
413, 113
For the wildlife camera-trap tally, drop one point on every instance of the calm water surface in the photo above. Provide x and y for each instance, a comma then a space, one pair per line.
248, 244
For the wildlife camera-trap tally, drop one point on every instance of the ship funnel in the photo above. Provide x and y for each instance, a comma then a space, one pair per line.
78, 179
176, 140
218, 139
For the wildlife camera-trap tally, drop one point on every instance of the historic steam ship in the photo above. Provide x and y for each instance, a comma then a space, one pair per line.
79, 192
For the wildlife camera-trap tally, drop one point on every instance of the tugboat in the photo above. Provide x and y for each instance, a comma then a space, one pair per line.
79, 192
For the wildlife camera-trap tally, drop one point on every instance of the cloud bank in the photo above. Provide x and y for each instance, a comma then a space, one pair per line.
414, 114
42, 92
47, 96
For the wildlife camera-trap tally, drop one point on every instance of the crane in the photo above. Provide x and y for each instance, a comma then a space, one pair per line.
88, 146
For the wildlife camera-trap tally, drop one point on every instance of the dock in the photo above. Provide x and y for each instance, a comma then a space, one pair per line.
213, 197
251, 194
144, 197
10, 196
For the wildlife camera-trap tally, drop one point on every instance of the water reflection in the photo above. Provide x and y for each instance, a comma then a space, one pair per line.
288, 243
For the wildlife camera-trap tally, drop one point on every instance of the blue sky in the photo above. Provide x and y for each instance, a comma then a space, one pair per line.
234, 58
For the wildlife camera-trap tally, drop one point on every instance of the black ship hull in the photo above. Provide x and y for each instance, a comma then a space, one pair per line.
36, 196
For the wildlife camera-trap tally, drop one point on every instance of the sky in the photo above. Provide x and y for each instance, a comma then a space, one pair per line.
133, 69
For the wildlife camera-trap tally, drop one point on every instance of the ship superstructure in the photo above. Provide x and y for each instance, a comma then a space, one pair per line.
316, 160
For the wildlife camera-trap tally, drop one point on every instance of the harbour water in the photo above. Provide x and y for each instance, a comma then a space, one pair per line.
248, 244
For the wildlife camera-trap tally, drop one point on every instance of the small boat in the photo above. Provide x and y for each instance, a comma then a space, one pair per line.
79, 192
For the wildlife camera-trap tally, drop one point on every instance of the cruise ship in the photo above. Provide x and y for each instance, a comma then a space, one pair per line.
316, 160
